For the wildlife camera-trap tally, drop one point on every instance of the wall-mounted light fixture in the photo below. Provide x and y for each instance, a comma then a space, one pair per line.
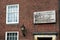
23, 29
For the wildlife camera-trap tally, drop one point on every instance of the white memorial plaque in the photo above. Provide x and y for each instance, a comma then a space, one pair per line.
45, 17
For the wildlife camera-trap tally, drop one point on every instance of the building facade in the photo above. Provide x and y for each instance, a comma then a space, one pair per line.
15, 14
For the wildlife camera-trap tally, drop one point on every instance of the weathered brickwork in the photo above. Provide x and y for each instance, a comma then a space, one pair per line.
26, 9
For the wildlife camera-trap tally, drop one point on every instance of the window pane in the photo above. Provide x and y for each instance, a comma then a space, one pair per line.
8, 38
15, 34
7, 34
11, 34
11, 38
15, 38
12, 17
12, 14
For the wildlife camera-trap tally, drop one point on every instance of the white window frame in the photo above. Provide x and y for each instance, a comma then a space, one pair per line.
8, 12
12, 32
46, 36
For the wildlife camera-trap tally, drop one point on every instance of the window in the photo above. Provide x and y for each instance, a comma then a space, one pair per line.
12, 14
11, 36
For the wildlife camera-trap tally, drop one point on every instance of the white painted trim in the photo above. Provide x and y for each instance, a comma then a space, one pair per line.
12, 32
53, 36
7, 14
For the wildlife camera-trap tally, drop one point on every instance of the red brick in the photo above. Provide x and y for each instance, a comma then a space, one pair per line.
26, 10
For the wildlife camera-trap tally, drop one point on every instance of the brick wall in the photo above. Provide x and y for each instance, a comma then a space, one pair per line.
26, 9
